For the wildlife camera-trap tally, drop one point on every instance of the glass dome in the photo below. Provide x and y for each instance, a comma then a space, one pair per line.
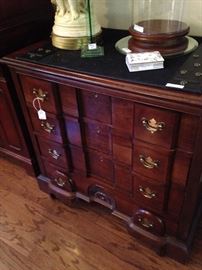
158, 25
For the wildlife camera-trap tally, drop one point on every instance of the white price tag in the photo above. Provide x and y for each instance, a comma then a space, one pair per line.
92, 46
41, 114
138, 28
175, 85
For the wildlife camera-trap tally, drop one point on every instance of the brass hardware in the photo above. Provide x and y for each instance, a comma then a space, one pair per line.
39, 93
148, 162
47, 127
147, 192
54, 154
152, 125
146, 223
60, 182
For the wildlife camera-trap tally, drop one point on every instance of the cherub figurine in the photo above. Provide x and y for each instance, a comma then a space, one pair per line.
72, 7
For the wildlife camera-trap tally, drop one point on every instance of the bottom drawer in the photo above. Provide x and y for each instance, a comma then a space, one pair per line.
59, 177
148, 221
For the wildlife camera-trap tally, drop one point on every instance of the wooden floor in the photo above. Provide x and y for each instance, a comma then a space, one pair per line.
38, 233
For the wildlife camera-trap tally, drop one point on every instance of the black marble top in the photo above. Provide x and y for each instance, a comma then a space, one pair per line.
184, 69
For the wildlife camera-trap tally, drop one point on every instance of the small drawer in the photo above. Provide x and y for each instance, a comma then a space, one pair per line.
53, 152
69, 100
59, 177
122, 149
96, 106
148, 194
123, 179
122, 115
35, 88
155, 126
148, 221
73, 131
98, 136
154, 164
101, 165
49, 128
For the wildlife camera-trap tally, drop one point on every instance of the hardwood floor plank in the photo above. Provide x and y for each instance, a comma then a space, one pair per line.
37, 232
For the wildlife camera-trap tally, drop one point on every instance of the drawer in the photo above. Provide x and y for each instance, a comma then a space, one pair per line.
73, 130
59, 177
122, 149
78, 158
101, 165
122, 115
148, 221
98, 136
155, 164
123, 179
96, 106
148, 194
49, 128
155, 126
69, 100
44, 90
53, 152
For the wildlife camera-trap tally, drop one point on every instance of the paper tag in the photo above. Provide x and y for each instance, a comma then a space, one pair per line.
138, 28
41, 114
175, 85
92, 46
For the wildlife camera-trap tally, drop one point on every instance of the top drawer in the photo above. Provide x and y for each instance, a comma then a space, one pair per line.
155, 126
35, 88
96, 106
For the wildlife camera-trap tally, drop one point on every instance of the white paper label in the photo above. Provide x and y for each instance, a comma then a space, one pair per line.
138, 28
175, 85
41, 114
92, 46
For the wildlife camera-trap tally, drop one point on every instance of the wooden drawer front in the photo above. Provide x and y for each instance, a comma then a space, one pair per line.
96, 106
68, 100
49, 128
148, 221
34, 88
123, 179
155, 126
78, 158
98, 136
148, 194
59, 177
73, 131
53, 152
122, 149
100, 165
151, 163
175, 200
122, 115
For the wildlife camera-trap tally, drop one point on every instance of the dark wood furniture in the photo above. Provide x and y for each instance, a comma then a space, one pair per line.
123, 140
21, 23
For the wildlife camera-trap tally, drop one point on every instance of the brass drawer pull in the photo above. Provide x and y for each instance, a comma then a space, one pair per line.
147, 192
148, 162
146, 223
60, 182
53, 153
152, 125
47, 127
39, 93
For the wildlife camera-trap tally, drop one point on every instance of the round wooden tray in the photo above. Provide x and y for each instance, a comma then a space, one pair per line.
165, 36
158, 30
